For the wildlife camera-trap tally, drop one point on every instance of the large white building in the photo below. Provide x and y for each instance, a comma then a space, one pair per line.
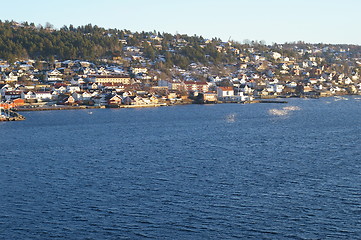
114, 79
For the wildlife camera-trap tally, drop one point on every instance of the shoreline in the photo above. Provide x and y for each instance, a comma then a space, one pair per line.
65, 107
33, 109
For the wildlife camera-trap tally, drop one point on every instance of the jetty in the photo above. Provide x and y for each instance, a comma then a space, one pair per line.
8, 115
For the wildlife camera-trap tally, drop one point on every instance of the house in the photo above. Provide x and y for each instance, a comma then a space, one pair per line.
78, 96
143, 76
291, 84
11, 77
93, 86
154, 100
44, 96
128, 100
73, 88
137, 70
262, 93
18, 102
12, 95
210, 97
155, 38
86, 96
61, 89
275, 88
276, 55
247, 90
138, 100
115, 100
30, 95
313, 80
70, 100
307, 89
82, 96
225, 92
348, 81
53, 76
101, 99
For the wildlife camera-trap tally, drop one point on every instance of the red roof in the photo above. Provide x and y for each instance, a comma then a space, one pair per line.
60, 85
226, 88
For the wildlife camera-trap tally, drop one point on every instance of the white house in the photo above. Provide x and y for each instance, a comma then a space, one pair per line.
247, 90
348, 81
44, 96
278, 88
54, 76
81, 96
86, 96
136, 70
30, 95
72, 88
276, 55
291, 84
61, 89
11, 77
225, 92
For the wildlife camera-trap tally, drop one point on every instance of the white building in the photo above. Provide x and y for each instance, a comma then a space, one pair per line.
225, 92
54, 76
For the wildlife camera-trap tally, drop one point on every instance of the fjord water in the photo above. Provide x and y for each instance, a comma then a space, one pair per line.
185, 172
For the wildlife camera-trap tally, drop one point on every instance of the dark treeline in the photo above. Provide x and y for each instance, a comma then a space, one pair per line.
20, 41
28, 41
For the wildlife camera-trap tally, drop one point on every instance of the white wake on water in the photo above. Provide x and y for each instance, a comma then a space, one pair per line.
284, 111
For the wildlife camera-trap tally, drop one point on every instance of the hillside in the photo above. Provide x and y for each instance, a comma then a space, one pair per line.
92, 42
164, 51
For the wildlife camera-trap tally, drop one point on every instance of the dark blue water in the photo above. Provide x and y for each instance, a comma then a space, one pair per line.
186, 172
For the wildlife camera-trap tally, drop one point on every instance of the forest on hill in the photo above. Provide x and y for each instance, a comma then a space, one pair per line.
28, 41
92, 42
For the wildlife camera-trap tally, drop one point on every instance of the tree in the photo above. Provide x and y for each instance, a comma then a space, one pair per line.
38, 65
49, 26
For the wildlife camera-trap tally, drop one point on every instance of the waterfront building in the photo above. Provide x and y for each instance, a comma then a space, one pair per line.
225, 93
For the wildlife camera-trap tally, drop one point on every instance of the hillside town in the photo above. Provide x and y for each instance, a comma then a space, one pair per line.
141, 74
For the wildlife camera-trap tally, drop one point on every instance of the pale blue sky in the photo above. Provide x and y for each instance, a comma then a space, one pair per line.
315, 21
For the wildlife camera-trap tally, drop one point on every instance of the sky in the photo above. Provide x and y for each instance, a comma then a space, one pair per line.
272, 21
